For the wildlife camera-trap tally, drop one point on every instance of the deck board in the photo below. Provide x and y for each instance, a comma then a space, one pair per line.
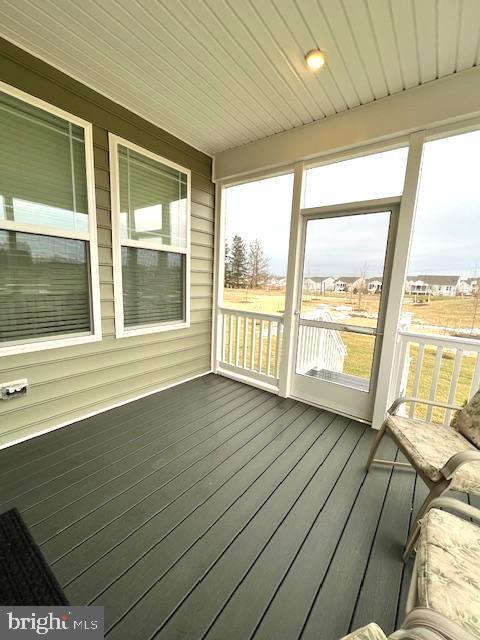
215, 510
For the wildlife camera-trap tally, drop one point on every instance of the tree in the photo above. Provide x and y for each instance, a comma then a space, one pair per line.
361, 287
257, 265
476, 304
238, 263
228, 266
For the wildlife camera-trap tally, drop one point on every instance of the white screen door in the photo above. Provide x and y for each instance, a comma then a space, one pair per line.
341, 305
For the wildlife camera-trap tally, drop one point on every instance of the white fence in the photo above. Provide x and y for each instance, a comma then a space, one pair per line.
439, 368
319, 348
250, 344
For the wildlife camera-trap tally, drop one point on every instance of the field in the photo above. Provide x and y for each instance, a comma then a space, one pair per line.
442, 312
439, 315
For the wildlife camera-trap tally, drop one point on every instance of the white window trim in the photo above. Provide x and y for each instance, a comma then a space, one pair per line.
120, 330
52, 342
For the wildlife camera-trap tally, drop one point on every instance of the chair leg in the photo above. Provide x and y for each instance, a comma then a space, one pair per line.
412, 541
376, 444
436, 491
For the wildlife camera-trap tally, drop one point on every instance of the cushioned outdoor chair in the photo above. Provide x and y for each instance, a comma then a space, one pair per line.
420, 624
445, 457
446, 574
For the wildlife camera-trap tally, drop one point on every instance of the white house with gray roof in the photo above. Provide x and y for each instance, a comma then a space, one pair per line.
432, 285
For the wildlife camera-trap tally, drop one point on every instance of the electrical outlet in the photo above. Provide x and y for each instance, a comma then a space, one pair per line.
15, 389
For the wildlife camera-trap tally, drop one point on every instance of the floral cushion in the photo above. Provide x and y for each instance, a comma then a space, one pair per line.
448, 575
467, 421
430, 446
370, 632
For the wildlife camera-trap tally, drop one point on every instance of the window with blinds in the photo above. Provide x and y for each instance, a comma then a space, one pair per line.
46, 266
151, 240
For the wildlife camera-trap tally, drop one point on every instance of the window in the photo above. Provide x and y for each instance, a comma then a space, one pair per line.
378, 175
49, 290
151, 238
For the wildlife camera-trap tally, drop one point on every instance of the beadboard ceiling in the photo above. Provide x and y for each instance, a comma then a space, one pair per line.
222, 73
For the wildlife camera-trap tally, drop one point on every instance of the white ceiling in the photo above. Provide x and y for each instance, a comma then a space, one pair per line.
222, 73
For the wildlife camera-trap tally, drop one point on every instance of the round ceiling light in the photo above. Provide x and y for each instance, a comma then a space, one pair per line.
315, 59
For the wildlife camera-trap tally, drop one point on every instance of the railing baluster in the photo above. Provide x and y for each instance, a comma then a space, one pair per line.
244, 349
252, 346
237, 336
260, 347
245, 338
269, 347
466, 364
230, 341
278, 343
222, 357
453, 384
416, 380
435, 375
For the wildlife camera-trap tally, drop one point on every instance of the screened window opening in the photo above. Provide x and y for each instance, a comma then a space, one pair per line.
152, 244
442, 293
378, 175
46, 263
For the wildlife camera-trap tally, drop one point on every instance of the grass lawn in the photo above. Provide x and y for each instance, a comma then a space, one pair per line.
454, 313
360, 348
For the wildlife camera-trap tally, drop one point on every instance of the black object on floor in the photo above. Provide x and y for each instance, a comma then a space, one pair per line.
25, 577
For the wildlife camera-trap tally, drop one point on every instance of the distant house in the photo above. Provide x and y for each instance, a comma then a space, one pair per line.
374, 285
323, 283
433, 285
469, 286
276, 282
309, 285
349, 283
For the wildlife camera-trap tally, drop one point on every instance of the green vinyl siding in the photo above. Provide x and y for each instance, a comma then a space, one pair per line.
71, 382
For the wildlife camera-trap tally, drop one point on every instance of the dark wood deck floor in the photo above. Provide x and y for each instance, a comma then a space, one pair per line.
215, 510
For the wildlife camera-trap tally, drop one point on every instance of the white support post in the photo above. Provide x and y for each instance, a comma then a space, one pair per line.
218, 277
293, 278
386, 372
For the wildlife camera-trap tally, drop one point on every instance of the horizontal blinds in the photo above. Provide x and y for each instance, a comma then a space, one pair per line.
152, 199
153, 286
42, 162
44, 286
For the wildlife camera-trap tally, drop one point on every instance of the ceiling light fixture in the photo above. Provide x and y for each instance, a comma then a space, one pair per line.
315, 59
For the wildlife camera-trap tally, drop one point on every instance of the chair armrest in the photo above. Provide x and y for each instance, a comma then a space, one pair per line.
455, 505
433, 403
458, 460
432, 625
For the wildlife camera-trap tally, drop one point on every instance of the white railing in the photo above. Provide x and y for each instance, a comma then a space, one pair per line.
319, 348
440, 368
250, 344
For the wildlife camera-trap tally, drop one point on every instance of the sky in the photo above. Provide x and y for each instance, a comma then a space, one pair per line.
447, 227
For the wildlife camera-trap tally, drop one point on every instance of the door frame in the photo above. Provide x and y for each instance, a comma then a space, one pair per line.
415, 142
364, 207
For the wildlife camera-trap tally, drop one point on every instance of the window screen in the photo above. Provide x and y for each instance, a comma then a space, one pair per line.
44, 226
378, 175
153, 241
